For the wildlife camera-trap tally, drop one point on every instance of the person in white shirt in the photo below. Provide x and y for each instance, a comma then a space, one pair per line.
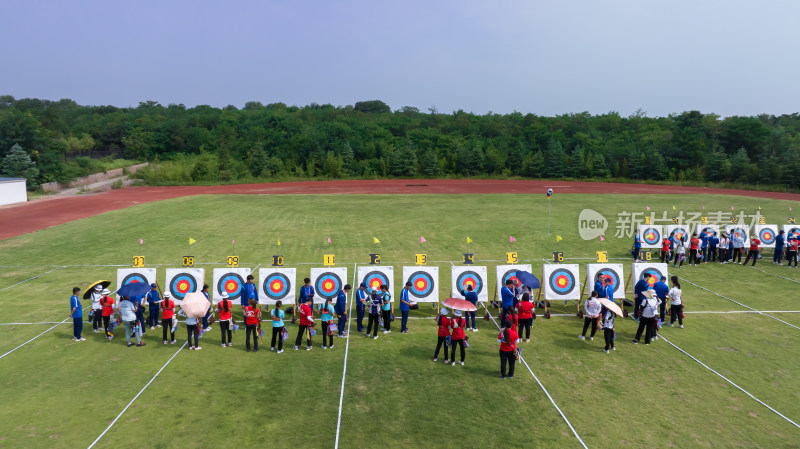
680, 254
722, 246
97, 309
592, 309
608, 330
676, 307
649, 312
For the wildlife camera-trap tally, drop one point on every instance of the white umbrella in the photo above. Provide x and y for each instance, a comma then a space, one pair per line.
610, 305
195, 304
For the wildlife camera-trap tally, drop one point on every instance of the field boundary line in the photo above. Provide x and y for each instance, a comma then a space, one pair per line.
737, 302
30, 279
346, 350
34, 338
137, 395
776, 275
660, 336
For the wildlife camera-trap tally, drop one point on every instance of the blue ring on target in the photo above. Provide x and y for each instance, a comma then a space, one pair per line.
656, 236
793, 232
561, 273
377, 276
685, 235
173, 285
738, 232
132, 278
328, 276
286, 286
510, 275
766, 239
608, 272
224, 279
653, 272
469, 275
421, 276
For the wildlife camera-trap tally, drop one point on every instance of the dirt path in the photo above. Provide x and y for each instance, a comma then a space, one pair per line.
52, 211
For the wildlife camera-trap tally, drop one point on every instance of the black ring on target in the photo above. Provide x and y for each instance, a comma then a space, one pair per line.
510, 275
466, 276
767, 236
181, 284
328, 285
612, 274
226, 280
376, 277
738, 230
793, 233
133, 278
422, 284
651, 236
561, 281
655, 273
279, 280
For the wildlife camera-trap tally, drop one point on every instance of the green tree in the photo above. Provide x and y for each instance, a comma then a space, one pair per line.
18, 164
740, 166
138, 143
533, 165
599, 166
372, 107
577, 164
428, 164
555, 160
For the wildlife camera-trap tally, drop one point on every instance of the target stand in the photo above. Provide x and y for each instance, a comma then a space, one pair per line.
560, 283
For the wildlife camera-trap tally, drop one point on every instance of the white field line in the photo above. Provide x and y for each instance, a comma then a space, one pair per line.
346, 350
34, 338
137, 395
30, 279
776, 275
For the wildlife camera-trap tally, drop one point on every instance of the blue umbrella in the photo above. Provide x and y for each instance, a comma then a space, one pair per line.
133, 289
528, 279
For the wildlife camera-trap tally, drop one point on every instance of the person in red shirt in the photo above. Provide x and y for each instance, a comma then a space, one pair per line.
252, 318
508, 340
694, 243
444, 332
457, 324
306, 323
224, 309
167, 315
791, 251
526, 309
107, 302
513, 317
665, 251
754, 242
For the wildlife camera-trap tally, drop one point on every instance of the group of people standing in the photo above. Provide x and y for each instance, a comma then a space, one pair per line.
708, 247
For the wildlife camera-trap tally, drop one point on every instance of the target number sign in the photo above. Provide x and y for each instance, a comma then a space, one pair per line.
511, 257
644, 255
704, 220
602, 256
421, 259
762, 220
138, 261
558, 256
791, 220
675, 220
469, 258
374, 259
329, 259
233, 261
734, 220
188, 261
277, 261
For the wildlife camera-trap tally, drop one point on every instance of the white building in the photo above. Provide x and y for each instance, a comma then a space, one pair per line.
12, 191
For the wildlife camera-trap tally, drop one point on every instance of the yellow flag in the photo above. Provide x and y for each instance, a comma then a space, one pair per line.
192, 241
469, 240
759, 207
558, 238
375, 240
279, 242
673, 207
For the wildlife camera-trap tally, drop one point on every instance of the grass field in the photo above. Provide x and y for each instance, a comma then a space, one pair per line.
59, 393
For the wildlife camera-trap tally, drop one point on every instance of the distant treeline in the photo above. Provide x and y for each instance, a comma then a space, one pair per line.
368, 139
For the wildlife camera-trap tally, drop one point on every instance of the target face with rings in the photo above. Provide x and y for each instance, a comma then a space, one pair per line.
374, 279
767, 236
739, 233
181, 284
655, 275
608, 273
422, 284
134, 278
230, 283
681, 235
793, 233
510, 275
468, 278
328, 285
562, 281
277, 286
651, 236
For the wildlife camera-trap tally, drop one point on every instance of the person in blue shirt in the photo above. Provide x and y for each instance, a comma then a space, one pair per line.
703, 246
638, 293
672, 241
405, 306
713, 240
375, 303
472, 297
780, 241
637, 246
341, 302
76, 313
598, 286
153, 299
249, 290
306, 291
507, 294
140, 302
387, 308
361, 304
662, 290
327, 311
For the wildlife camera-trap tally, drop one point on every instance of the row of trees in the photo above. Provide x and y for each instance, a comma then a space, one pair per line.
368, 139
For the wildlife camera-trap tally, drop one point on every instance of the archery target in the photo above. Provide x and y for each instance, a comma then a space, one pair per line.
506, 272
423, 280
327, 282
708, 229
461, 277
655, 269
126, 276
767, 234
277, 284
739, 230
681, 233
375, 276
791, 231
561, 281
181, 281
611, 271
229, 280
651, 236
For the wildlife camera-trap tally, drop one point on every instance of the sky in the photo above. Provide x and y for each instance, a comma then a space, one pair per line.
726, 57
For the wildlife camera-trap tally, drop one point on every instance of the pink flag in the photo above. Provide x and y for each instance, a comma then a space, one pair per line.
422, 239
704, 208
511, 238
602, 239
731, 207
329, 239
648, 207
233, 241
141, 242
